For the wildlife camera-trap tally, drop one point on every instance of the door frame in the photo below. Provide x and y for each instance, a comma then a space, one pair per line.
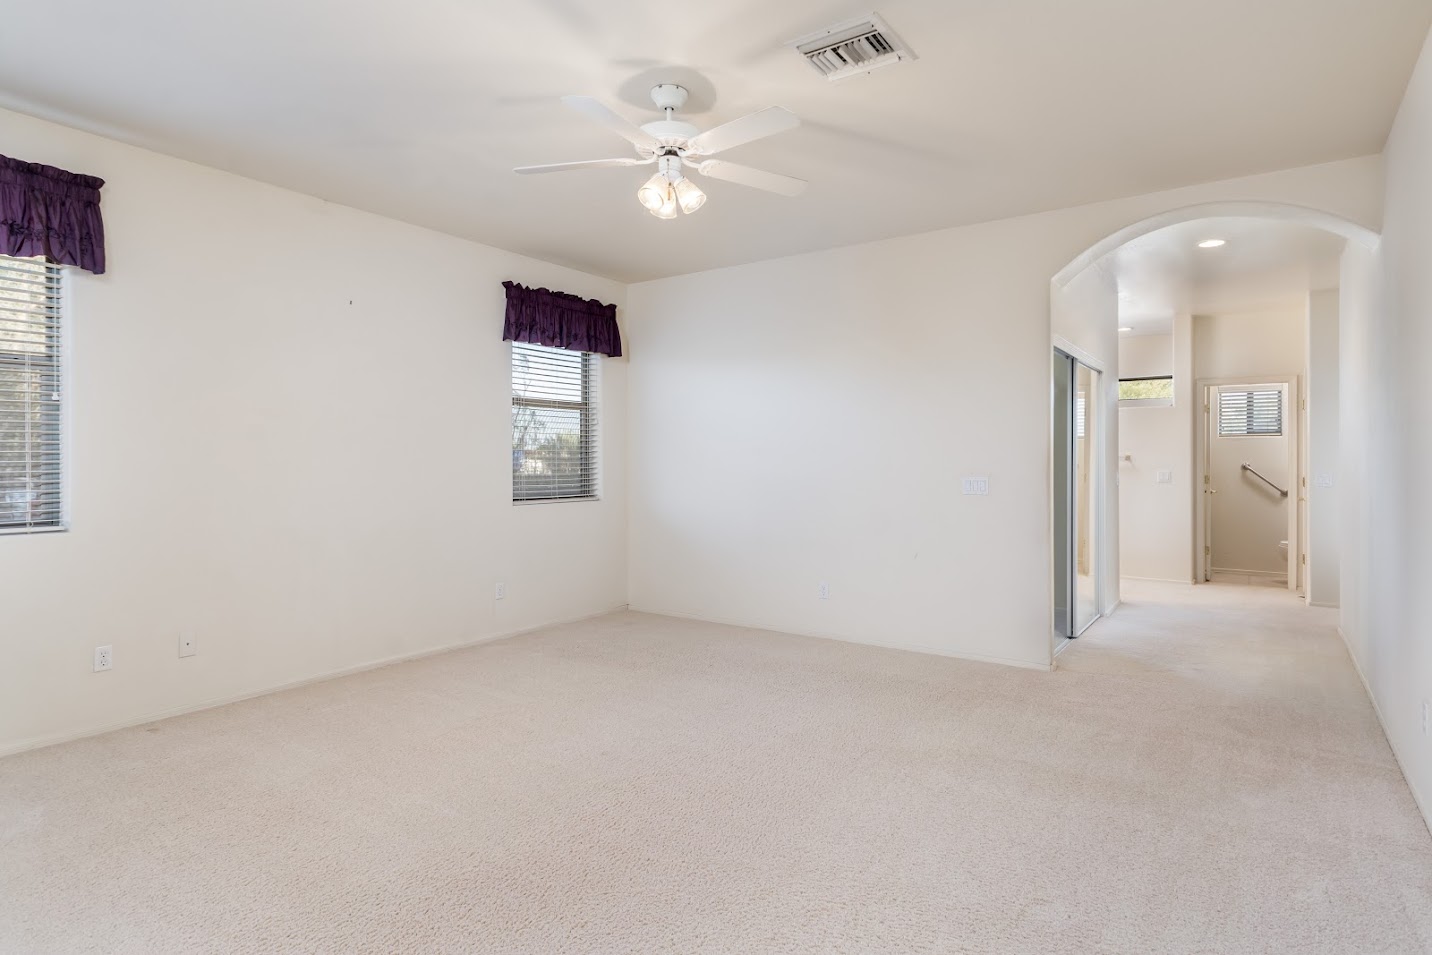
1293, 427
1099, 490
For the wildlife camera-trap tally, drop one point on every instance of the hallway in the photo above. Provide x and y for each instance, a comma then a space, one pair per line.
1267, 780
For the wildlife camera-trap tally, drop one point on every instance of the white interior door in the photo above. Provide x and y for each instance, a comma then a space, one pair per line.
1250, 465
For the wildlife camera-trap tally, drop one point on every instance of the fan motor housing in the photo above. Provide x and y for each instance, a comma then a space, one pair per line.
670, 132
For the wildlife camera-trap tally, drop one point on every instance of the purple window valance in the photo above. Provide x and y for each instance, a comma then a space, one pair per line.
49, 212
540, 316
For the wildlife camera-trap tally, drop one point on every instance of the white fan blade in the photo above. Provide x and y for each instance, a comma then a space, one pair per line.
585, 164
738, 132
597, 111
746, 176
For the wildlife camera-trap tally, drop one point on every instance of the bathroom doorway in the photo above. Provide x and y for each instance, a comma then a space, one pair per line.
1249, 474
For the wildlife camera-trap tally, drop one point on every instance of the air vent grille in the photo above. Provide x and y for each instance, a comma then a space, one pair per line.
852, 48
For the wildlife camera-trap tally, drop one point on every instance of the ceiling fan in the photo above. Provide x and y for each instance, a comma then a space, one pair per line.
675, 146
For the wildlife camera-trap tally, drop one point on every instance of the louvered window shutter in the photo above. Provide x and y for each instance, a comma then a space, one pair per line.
1253, 412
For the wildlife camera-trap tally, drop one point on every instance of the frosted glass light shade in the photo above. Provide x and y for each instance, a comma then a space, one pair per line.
667, 209
690, 196
654, 192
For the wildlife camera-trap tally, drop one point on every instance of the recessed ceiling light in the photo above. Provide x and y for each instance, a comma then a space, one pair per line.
1212, 243
1126, 328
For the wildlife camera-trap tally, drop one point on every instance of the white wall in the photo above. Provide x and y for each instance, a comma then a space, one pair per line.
1322, 449
1363, 443
290, 435
1145, 356
1084, 320
1386, 443
1263, 342
809, 419
1155, 519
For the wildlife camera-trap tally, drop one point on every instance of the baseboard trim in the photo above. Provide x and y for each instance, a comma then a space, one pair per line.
1249, 573
69, 736
1158, 580
907, 647
1423, 806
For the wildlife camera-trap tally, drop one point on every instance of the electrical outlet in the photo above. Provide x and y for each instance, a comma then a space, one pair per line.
103, 658
974, 485
500, 592
187, 645
823, 591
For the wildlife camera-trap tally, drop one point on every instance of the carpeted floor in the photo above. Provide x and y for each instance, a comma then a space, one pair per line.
1203, 774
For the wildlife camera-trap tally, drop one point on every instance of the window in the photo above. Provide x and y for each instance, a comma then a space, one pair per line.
554, 424
1152, 390
1250, 412
30, 383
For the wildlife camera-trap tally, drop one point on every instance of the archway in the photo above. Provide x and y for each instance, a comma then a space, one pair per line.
1279, 211
1091, 271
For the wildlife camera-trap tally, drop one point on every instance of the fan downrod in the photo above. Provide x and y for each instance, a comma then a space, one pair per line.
671, 133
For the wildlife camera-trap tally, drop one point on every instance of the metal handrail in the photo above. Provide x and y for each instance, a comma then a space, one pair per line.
1249, 468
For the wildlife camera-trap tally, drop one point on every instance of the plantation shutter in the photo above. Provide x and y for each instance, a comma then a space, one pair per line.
554, 423
1250, 412
31, 479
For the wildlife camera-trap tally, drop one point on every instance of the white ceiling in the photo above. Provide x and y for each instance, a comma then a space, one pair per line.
419, 109
1264, 263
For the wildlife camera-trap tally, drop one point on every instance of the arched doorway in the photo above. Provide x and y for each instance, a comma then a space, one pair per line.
1087, 287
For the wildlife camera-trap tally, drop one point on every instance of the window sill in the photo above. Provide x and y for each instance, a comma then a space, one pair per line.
27, 531
556, 500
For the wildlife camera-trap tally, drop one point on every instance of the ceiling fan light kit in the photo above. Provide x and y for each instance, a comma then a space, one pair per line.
653, 192
668, 188
689, 195
675, 146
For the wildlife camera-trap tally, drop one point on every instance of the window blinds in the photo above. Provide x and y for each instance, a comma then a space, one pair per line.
30, 393
554, 424
1250, 412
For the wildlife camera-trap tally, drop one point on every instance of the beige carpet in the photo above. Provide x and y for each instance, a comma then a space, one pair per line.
1204, 774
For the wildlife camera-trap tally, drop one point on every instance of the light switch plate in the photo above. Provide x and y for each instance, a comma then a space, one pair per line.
975, 485
1164, 477
1323, 480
